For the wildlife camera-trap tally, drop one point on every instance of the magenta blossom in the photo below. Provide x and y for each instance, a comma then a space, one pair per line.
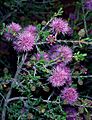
11, 31
8, 36
14, 27
60, 76
71, 113
88, 4
32, 29
61, 54
66, 53
24, 42
53, 52
59, 25
69, 94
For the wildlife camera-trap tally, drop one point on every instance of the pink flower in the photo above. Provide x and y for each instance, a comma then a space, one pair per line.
70, 32
60, 76
8, 36
69, 94
14, 27
66, 53
32, 29
51, 39
24, 42
60, 25
61, 54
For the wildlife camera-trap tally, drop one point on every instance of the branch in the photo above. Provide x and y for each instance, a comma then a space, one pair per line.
84, 18
13, 82
47, 101
7, 16
68, 41
16, 98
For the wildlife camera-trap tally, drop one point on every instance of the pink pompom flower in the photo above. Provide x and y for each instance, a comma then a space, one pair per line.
14, 27
24, 42
59, 25
32, 29
66, 53
70, 95
11, 31
61, 54
61, 75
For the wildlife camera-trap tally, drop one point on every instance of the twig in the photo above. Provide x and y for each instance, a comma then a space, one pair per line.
43, 28
7, 16
50, 96
82, 76
90, 98
44, 2
68, 41
5, 82
2, 96
84, 18
16, 98
46, 101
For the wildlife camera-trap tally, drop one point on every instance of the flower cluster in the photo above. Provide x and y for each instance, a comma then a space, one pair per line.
24, 42
14, 27
69, 94
60, 26
66, 53
11, 30
60, 76
88, 4
61, 54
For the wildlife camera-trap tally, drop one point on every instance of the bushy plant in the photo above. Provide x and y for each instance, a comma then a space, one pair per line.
50, 73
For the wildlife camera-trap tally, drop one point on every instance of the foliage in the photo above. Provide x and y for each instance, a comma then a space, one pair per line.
53, 58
